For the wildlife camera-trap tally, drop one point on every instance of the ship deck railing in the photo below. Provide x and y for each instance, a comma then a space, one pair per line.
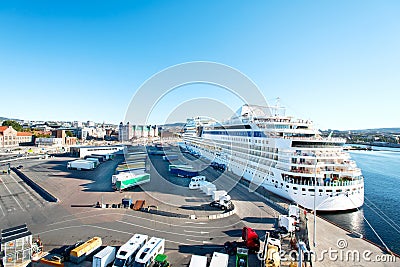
323, 183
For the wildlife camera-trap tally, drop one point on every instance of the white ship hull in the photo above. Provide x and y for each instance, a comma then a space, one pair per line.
286, 156
350, 197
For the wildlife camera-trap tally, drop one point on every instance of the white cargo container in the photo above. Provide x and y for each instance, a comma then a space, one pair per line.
126, 175
95, 160
219, 260
198, 261
104, 257
218, 194
210, 189
205, 186
81, 165
287, 222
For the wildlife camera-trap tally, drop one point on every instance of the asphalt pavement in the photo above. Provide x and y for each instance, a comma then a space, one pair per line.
59, 224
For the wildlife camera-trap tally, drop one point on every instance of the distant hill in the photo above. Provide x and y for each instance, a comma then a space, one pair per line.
7, 119
378, 130
176, 124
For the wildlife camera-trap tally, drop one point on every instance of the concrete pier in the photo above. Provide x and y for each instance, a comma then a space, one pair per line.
337, 247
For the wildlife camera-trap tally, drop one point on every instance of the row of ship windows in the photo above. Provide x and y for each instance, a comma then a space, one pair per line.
303, 189
327, 190
257, 168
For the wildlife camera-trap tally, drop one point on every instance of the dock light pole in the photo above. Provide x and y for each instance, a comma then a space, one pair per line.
315, 209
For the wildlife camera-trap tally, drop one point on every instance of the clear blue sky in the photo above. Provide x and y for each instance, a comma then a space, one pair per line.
335, 62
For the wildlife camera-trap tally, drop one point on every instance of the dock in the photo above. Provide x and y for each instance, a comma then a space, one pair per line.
338, 247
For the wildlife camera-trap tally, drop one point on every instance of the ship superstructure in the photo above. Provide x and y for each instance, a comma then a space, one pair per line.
286, 156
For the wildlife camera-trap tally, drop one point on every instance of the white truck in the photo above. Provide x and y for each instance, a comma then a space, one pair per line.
198, 261
81, 164
104, 257
219, 260
222, 201
218, 194
195, 182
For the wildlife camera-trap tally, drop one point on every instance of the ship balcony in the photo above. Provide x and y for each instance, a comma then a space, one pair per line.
310, 181
316, 139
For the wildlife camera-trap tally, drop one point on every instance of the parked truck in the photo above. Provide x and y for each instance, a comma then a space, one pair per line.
81, 165
99, 157
123, 183
95, 160
79, 254
218, 194
104, 257
224, 202
105, 156
195, 182
198, 261
125, 176
251, 239
183, 171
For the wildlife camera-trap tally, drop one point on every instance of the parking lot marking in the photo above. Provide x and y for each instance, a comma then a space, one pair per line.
162, 231
201, 232
13, 196
2, 211
196, 241
28, 193
147, 219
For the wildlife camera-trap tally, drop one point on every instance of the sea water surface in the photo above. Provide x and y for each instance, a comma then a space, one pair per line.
381, 170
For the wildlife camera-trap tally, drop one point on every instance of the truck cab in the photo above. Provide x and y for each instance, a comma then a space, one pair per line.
224, 203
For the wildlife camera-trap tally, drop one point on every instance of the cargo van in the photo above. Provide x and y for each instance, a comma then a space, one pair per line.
127, 252
146, 255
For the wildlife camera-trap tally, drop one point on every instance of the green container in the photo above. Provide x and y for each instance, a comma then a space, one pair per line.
134, 181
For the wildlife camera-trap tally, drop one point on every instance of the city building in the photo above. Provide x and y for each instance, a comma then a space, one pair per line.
9, 137
130, 132
48, 141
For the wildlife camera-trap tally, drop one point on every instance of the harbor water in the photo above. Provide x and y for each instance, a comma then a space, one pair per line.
382, 198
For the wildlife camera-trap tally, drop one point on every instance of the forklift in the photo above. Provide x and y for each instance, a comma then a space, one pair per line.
161, 260
242, 255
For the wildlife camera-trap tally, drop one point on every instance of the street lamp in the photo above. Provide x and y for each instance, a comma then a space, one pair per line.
315, 209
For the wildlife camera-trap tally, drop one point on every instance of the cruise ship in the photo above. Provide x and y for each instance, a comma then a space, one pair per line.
288, 157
